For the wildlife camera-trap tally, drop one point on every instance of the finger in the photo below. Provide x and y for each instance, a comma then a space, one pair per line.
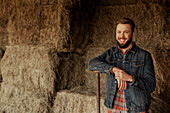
118, 83
116, 74
122, 84
117, 77
115, 69
125, 85
120, 75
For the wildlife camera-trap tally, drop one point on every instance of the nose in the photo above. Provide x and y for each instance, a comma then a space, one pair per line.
122, 35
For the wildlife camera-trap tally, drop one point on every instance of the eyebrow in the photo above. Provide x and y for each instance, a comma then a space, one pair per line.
124, 30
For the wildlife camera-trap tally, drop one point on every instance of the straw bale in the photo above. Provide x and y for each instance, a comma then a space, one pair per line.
161, 95
71, 71
20, 2
40, 24
27, 2
70, 3
69, 102
125, 2
56, 18
28, 79
64, 19
23, 25
3, 24
3, 38
49, 24
55, 26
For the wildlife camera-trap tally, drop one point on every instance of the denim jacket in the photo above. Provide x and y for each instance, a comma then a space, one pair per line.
137, 63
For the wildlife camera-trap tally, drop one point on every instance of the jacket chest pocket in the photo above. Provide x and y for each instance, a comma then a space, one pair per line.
136, 67
111, 61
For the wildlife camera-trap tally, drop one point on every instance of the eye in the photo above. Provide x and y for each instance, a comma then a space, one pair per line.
127, 32
118, 31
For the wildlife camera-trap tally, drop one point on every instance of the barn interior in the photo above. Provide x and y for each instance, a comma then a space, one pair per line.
46, 45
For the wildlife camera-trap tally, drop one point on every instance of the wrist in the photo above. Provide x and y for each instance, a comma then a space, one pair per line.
130, 79
112, 70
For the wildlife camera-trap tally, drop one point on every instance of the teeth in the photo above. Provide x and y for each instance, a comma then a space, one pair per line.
122, 40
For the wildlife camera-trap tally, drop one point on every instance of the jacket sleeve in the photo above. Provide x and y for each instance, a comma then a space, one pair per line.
100, 64
146, 81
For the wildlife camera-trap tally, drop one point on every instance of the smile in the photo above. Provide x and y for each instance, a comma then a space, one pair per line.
122, 40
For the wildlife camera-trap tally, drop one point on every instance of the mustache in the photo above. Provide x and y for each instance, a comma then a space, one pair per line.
121, 38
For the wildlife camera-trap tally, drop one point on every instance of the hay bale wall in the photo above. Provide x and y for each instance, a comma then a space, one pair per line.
37, 22
47, 22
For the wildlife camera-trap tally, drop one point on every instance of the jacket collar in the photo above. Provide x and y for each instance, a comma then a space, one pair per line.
132, 49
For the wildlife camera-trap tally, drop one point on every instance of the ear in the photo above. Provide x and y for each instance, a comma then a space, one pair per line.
133, 33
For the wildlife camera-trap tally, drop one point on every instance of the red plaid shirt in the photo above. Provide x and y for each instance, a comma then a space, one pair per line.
119, 104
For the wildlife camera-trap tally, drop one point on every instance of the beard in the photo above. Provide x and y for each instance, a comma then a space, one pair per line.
123, 46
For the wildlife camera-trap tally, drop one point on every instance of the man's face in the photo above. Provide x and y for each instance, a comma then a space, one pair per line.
123, 35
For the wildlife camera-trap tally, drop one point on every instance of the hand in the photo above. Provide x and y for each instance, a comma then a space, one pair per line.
122, 84
121, 75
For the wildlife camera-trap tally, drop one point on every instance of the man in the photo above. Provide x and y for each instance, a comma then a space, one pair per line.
130, 71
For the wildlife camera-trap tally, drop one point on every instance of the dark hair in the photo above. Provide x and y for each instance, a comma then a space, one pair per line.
126, 21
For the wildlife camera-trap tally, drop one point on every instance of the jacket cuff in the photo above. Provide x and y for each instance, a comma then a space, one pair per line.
109, 71
133, 81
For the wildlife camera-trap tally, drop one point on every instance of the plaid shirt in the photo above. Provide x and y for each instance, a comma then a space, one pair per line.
119, 104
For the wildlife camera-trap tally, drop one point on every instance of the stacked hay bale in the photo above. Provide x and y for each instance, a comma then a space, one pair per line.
33, 74
71, 102
29, 70
40, 22
161, 95
28, 79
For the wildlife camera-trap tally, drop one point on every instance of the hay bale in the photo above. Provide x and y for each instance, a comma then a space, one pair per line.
55, 26
39, 22
69, 102
28, 79
19, 2
161, 94
3, 38
3, 24
71, 71
23, 25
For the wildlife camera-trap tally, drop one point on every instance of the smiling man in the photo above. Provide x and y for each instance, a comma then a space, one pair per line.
130, 71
